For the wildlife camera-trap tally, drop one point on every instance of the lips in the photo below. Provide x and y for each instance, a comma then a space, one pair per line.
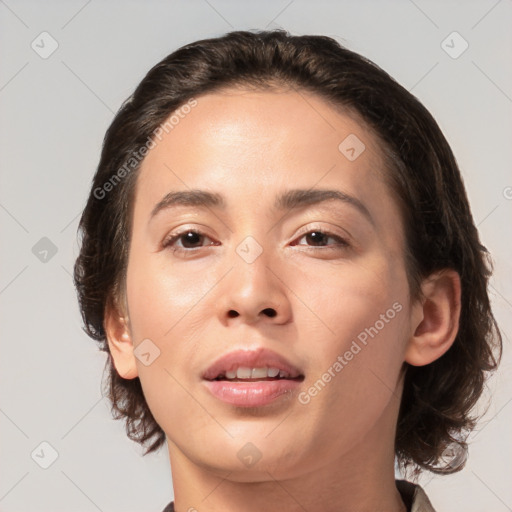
239, 361
253, 378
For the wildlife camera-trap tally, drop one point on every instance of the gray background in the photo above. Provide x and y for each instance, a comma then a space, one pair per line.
54, 112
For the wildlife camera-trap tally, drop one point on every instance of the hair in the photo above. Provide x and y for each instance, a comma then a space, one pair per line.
434, 417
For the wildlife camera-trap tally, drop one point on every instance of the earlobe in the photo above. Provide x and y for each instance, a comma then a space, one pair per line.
438, 313
120, 343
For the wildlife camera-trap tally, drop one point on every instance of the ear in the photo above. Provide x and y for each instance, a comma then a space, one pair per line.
435, 318
117, 327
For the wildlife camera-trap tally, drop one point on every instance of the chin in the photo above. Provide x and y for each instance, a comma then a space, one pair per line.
247, 463
260, 472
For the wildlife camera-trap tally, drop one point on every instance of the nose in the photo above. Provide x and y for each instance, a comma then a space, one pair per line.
254, 292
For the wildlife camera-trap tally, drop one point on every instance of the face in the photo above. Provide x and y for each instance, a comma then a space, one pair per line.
311, 283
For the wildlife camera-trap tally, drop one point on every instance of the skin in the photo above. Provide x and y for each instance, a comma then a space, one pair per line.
334, 453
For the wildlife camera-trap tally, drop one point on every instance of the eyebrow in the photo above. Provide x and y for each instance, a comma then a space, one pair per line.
288, 200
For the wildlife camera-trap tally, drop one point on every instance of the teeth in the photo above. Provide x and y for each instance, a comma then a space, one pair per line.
273, 372
244, 372
259, 373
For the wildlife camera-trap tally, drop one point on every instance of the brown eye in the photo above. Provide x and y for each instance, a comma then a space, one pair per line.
189, 239
317, 238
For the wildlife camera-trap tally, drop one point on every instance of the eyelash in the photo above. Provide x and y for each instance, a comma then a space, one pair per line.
341, 243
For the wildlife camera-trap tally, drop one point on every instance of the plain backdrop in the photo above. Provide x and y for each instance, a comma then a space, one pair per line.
65, 68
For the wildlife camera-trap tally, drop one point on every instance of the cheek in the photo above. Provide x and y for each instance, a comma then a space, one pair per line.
164, 306
359, 336
160, 297
347, 300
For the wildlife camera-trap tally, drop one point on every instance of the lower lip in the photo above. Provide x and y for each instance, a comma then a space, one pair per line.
251, 394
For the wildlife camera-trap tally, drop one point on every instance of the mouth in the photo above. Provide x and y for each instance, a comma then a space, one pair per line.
252, 378
252, 365
246, 374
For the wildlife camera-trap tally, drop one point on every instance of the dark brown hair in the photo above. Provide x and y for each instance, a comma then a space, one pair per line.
440, 233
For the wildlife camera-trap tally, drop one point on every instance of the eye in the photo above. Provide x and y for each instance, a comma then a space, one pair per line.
319, 238
189, 239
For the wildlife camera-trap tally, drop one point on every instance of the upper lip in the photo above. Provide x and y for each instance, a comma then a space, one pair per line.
258, 358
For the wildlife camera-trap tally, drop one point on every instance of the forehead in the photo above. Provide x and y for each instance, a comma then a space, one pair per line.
253, 138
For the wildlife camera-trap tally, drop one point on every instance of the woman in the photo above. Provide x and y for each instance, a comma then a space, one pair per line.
279, 257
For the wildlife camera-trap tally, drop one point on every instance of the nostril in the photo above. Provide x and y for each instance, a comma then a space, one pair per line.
271, 312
